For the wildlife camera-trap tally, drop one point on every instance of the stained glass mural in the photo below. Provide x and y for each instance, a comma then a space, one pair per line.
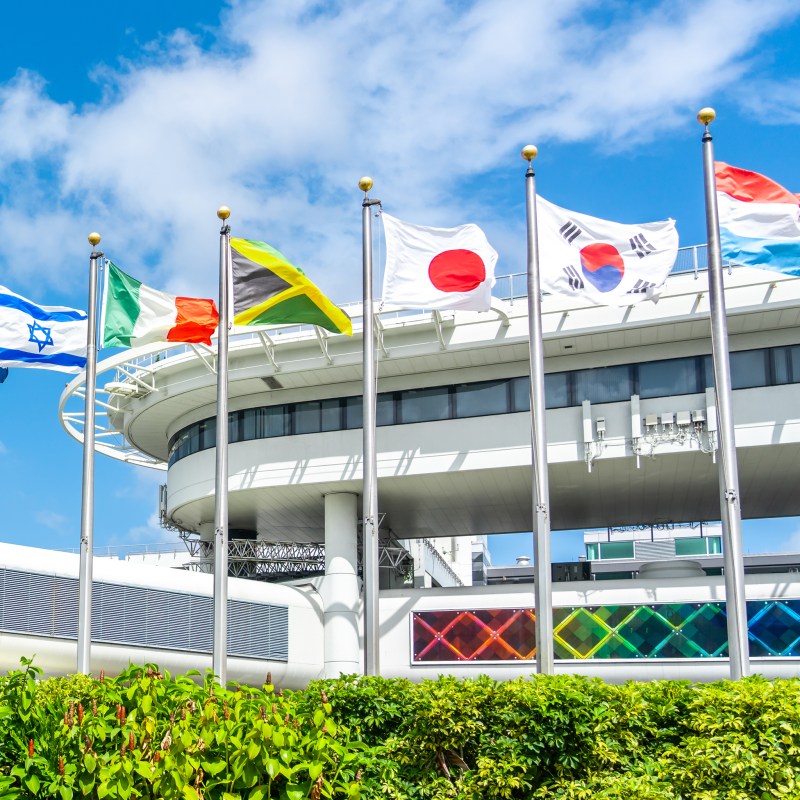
658, 630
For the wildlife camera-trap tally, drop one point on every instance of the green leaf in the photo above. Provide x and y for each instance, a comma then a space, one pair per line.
190, 793
253, 749
273, 767
294, 791
67, 793
258, 792
33, 783
214, 767
90, 762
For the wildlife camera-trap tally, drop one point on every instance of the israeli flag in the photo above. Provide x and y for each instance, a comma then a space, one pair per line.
50, 337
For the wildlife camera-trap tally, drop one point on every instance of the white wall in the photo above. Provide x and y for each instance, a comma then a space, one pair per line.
397, 606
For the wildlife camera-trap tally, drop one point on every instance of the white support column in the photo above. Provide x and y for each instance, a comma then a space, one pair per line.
339, 590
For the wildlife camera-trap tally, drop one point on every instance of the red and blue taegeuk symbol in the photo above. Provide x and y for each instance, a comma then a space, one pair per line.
602, 266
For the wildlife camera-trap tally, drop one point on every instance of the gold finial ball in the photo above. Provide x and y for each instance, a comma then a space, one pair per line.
706, 116
530, 151
223, 212
365, 183
94, 239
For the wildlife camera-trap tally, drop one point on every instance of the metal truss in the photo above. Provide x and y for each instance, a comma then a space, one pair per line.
280, 561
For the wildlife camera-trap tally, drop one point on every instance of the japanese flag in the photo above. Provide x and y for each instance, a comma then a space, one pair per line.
437, 268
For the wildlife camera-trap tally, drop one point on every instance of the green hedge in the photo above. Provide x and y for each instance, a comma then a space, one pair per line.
570, 737
147, 734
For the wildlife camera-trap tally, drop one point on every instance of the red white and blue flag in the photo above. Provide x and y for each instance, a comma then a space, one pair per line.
606, 263
759, 220
437, 268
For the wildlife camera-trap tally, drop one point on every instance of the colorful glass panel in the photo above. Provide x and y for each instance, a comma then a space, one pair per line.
660, 630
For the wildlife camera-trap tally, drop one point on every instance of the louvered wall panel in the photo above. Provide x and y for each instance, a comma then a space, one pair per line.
256, 630
47, 605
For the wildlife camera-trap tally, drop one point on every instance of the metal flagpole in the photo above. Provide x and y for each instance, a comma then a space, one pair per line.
371, 531
219, 657
87, 495
730, 503
542, 587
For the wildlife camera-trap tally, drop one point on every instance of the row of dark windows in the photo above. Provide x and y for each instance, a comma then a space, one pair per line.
771, 366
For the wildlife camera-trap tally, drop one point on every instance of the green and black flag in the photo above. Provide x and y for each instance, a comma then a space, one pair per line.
269, 290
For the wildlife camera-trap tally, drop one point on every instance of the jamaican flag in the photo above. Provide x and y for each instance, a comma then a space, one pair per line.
269, 290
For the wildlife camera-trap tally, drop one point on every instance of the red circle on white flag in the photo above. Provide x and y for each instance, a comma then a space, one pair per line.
457, 271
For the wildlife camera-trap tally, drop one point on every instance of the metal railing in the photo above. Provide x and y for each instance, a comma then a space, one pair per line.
690, 259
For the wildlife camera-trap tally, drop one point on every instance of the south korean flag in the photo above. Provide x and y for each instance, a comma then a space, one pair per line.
606, 263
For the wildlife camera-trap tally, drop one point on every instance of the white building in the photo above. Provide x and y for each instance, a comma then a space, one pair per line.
631, 441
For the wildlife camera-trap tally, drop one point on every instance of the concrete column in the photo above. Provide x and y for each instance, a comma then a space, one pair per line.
339, 590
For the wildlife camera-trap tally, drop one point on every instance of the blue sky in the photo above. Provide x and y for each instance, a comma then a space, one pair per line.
140, 119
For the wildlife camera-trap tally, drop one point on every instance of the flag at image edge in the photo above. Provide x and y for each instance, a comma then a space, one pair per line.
45, 337
269, 290
759, 220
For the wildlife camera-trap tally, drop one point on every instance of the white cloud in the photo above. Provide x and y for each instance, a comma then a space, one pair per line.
301, 99
50, 519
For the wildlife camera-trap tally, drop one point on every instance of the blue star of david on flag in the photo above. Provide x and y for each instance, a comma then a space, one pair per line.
49, 337
43, 340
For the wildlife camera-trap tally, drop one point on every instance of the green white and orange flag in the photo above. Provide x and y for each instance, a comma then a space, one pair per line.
135, 314
269, 290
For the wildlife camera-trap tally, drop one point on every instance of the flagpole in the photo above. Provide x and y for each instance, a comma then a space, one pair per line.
370, 532
542, 587
87, 492
730, 503
219, 657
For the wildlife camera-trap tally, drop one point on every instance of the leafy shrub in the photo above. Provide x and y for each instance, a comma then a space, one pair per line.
146, 734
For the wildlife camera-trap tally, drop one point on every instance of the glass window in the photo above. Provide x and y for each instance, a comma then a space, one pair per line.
691, 547
276, 421
748, 369
714, 544
781, 364
385, 411
665, 378
207, 435
424, 405
708, 372
794, 363
592, 551
252, 425
331, 413
521, 393
306, 417
480, 399
616, 550
556, 390
603, 384
235, 426
353, 413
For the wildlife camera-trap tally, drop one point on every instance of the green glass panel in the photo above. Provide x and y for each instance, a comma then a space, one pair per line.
691, 547
616, 550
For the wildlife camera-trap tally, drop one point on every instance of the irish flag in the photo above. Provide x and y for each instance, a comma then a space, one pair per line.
759, 220
135, 314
